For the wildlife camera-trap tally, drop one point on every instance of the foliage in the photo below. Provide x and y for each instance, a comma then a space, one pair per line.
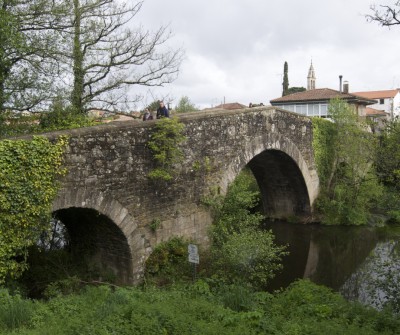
295, 89
18, 124
285, 84
242, 251
155, 224
27, 54
304, 308
168, 262
185, 105
388, 155
15, 311
248, 257
28, 174
344, 153
60, 116
164, 144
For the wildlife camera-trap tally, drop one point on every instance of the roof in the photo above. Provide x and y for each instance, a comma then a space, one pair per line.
375, 112
229, 106
378, 94
322, 94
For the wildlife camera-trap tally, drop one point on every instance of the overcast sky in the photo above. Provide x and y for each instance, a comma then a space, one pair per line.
236, 49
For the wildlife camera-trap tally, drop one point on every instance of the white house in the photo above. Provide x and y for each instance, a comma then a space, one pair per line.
388, 100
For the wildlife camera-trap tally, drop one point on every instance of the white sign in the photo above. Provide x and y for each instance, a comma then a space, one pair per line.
193, 253
192, 249
194, 258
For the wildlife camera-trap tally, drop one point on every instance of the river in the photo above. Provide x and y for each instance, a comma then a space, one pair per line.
344, 258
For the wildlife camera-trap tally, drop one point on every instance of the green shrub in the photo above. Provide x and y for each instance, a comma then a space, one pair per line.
168, 263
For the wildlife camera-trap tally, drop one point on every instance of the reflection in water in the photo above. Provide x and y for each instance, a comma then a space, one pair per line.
377, 281
329, 255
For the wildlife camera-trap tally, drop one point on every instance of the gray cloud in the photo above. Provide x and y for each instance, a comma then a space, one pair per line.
236, 49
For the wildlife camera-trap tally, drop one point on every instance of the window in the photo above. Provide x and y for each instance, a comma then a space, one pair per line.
324, 110
381, 101
313, 110
301, 109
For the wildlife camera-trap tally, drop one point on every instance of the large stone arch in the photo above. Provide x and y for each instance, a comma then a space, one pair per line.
295, 189
126, 231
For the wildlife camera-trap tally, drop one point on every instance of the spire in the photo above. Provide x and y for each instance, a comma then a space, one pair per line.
311, 78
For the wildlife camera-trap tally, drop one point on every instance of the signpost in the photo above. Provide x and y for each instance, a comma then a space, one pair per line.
193, 257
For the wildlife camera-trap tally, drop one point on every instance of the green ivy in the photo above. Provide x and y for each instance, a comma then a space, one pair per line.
164, 144
28, 174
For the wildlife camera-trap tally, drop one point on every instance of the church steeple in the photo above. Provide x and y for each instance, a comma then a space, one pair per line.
311, 78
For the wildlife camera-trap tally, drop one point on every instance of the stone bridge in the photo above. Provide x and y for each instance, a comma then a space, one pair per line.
111, 207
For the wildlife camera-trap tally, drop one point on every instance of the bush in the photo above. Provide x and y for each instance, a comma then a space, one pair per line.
243, 252
58, 119
168, 263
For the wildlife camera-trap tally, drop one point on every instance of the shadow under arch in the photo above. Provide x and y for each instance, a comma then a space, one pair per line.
97, 241
87, 202
288, 182
281, 183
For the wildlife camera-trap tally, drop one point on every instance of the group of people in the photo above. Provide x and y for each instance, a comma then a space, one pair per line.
162, 111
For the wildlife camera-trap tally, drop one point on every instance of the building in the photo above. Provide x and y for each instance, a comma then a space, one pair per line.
315, 102
228, 106
387, 100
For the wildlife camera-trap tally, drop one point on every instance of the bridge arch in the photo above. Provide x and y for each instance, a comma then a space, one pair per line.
287, 184
102, 226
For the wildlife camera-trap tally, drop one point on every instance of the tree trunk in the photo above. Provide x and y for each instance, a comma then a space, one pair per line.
77, 91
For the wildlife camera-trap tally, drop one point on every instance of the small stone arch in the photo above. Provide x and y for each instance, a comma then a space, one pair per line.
82, 201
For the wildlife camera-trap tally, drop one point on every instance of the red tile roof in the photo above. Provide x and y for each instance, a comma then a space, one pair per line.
229, 106
375, 112
378, 94
321, 94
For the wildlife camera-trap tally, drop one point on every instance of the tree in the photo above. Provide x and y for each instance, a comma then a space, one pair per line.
185, 105
285, 83
345, 151
385, 15
388, 160
28, 58
107, 55
295, 89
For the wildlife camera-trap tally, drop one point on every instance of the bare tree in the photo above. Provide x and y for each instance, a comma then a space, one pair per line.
107, 55
385, 15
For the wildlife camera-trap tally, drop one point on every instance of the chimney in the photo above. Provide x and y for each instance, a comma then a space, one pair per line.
340, 83
345, 86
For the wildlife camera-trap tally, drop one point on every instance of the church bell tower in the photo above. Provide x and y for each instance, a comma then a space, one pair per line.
311, 78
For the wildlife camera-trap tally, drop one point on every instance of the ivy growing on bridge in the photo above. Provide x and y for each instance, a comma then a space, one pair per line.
164, 144
28, 175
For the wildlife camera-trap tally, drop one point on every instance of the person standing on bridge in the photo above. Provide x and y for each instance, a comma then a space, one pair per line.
147, 116
162, 111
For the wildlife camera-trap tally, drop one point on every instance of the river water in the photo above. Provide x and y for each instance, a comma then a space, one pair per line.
344, 258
